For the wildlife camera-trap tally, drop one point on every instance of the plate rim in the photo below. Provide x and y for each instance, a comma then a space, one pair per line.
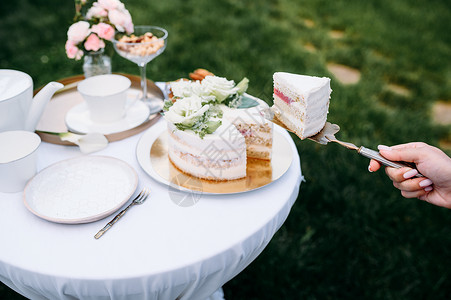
151, 135
87, 219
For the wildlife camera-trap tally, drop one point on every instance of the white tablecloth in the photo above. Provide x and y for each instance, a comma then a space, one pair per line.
158, 250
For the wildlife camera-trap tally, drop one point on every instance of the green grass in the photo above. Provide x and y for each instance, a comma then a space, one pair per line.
350, 234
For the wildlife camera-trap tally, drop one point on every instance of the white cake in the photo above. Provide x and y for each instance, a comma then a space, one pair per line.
198, 145
301, 102
220, 155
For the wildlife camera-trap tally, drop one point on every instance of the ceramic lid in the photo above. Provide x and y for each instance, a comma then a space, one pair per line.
12, 83
17, 144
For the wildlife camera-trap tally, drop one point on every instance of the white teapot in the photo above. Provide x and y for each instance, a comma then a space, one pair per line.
18, 109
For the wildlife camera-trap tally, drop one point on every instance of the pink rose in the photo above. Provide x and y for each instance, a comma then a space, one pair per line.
72, 50
94, 43
77, 32
103, 30
121, 20
111, 4
96, 12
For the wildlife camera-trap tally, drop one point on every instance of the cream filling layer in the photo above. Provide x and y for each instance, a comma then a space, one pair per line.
305, 126
258, 134
308, 111
259, 148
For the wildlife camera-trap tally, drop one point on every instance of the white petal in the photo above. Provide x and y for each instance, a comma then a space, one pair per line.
70, 137
92, 142
88, 143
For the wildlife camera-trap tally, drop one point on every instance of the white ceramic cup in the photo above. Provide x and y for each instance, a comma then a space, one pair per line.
17, 159
106, 97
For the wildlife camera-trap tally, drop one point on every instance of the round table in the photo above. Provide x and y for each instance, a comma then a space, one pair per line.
158, 250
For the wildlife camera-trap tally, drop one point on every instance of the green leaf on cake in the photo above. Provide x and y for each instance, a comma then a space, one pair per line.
241, 101
205, 124
246, 102
167, 105
242, 86
212, 126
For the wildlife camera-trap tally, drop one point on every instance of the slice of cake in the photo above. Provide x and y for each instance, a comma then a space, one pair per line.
301, 102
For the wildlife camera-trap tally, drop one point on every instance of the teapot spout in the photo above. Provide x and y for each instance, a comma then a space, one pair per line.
39, 103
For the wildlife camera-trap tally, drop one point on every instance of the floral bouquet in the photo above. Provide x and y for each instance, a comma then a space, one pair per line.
96, 25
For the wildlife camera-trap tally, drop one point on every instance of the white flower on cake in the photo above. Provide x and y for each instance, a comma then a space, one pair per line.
186, 111
212, 89
219, 87
184, 88
191, 114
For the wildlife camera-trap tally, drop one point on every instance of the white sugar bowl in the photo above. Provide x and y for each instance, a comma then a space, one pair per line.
18, 156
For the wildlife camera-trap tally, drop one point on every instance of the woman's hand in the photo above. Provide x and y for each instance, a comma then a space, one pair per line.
433, 163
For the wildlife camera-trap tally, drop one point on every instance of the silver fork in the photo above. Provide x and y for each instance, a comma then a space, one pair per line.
138, 200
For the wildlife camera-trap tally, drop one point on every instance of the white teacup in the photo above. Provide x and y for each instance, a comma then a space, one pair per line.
17, 159
106, 97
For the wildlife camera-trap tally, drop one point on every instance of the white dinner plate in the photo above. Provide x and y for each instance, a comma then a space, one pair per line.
80, 190
151, 153
78, 120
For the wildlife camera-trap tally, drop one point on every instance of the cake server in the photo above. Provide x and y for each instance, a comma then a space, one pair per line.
327, 134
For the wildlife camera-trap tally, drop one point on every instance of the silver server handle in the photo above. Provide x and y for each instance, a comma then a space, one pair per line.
369, 153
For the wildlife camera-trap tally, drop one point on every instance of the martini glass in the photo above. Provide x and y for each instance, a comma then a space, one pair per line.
146, 43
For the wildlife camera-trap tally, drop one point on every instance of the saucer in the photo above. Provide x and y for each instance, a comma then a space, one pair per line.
78, 120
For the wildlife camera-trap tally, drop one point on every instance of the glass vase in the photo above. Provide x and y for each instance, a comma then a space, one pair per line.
96, 63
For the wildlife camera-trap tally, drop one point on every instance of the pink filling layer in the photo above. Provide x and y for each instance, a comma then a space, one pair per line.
279, 94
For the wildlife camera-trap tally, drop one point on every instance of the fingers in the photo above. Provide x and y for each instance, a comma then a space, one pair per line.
404, 179
415, 194
374, 166
401, 174
410, 186
403, 153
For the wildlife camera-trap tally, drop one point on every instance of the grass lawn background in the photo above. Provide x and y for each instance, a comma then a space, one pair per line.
350, 234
